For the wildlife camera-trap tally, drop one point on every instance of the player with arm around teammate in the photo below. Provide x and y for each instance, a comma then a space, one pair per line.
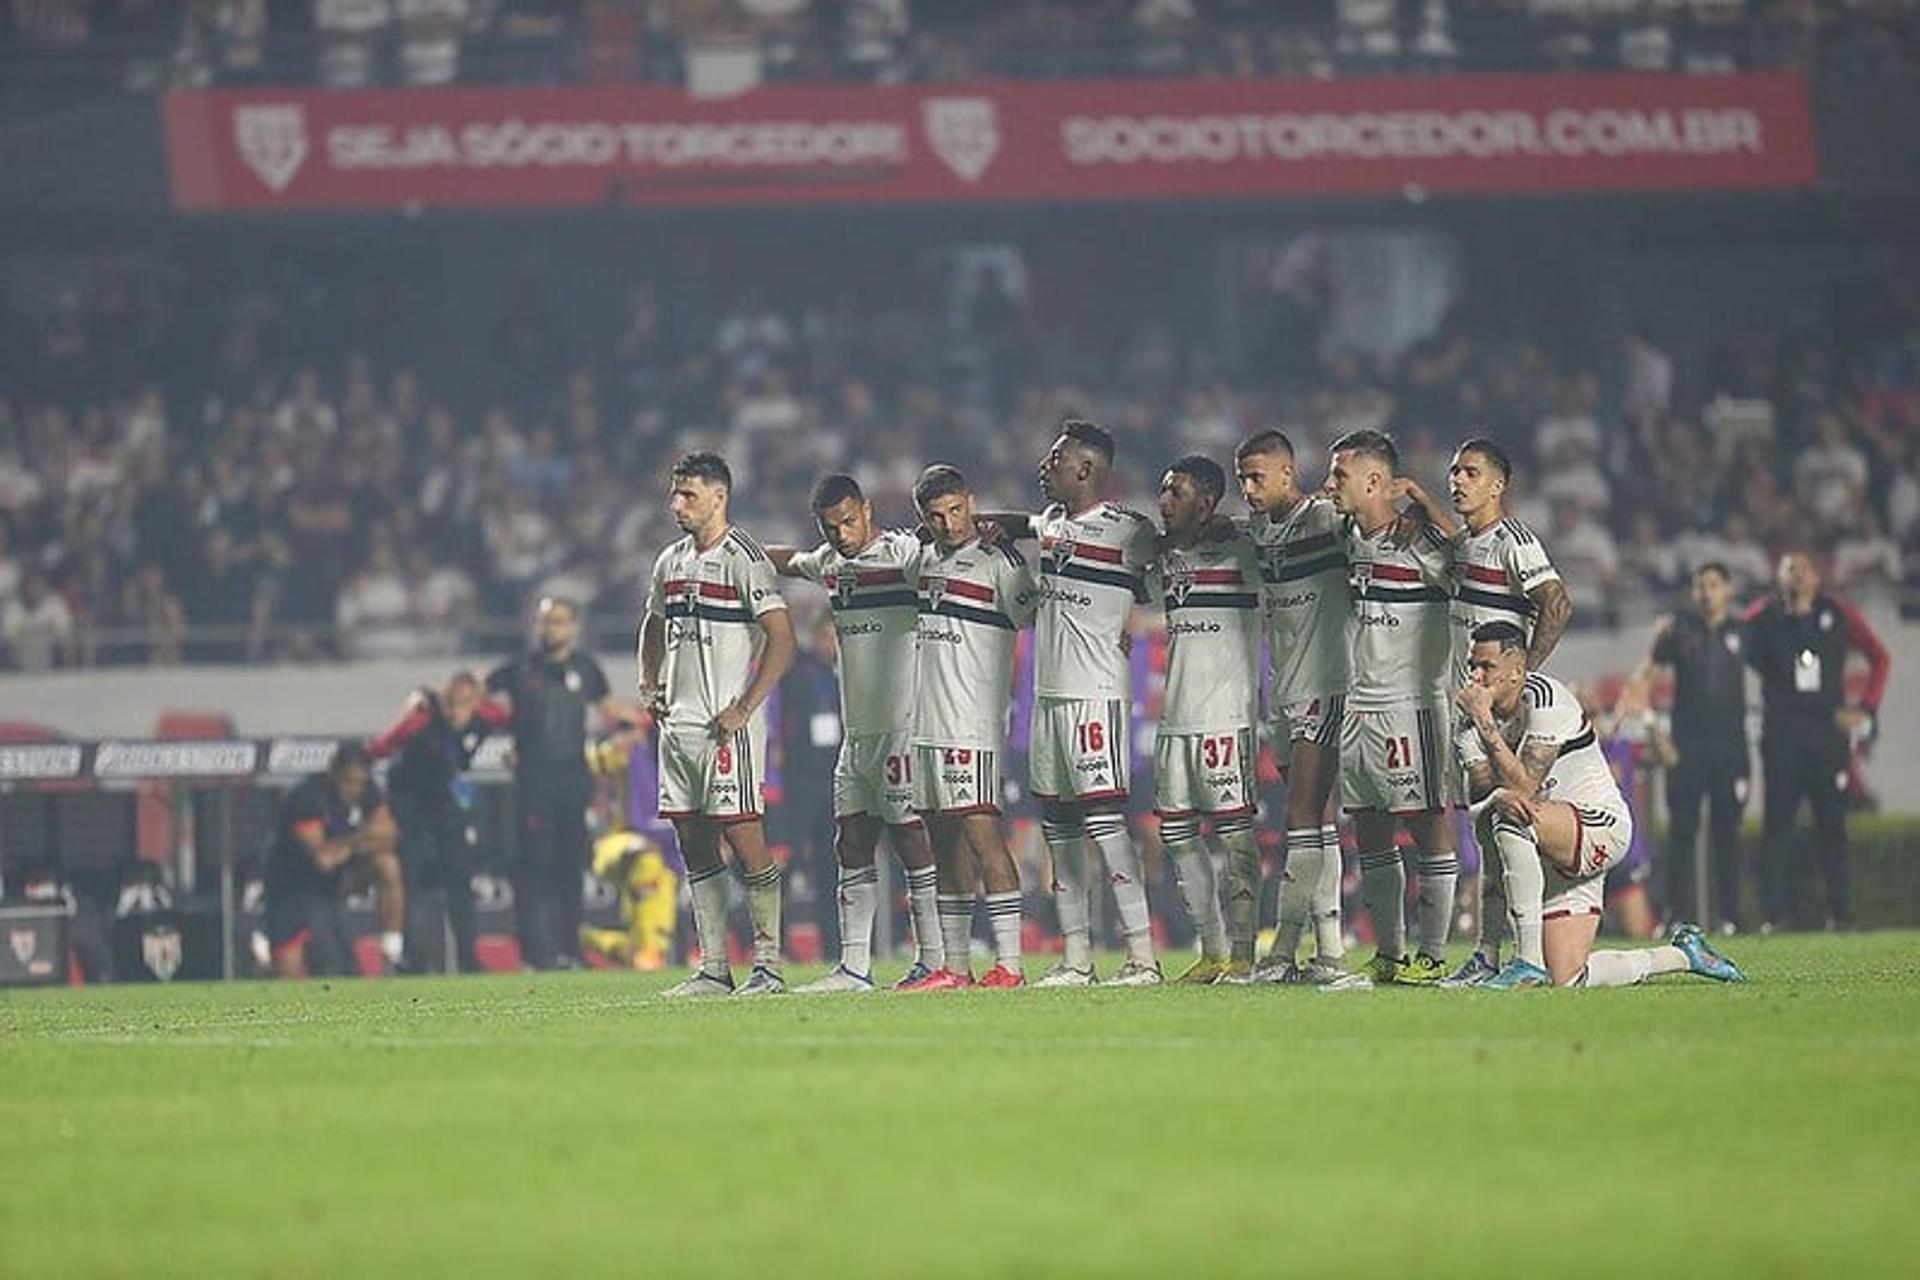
872, 577
1544, 796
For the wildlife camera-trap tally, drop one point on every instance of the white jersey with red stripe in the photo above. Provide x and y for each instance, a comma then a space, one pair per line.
876, 610
1402, 646
710, 599
973, 601
1092, 572
1549, 715
1306, 600
1494, 570
1212, 596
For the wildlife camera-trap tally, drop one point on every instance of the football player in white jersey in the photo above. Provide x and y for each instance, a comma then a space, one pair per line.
1093, 561
1396, 759
715, 642
1501, 574
1204, 753
871, 575
1543, 793
1308, 608
974, 599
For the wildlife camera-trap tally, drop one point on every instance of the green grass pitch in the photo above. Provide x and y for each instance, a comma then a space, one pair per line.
574, 1125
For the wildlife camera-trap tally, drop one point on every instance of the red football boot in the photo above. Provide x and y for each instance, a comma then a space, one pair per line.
1001, 978
941, 980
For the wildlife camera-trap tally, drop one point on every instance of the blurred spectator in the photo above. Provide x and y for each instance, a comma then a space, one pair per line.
351, 33
1589, 562
36, 626
430, 36
375, 615
1867, 565
1832, 475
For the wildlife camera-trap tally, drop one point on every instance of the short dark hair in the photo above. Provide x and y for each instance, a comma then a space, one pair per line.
568, 603
835, 489
1507, 635
1091, 434
348, 754
1203, 471
704, 464
1370, 443
1714, 566
1492, 452
940, 480
1263, 442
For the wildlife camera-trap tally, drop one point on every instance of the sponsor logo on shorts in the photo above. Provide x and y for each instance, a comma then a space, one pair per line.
1193, 628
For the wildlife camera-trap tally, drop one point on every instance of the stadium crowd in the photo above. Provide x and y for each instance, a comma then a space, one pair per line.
733, 44
277, 508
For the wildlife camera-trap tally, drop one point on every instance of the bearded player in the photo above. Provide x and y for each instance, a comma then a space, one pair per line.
1307, 606
1544, 796
714, 644
1396, 760
974, 599
870, 574
1203, 757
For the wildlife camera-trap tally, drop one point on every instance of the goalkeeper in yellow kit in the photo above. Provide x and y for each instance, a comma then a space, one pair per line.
637, 867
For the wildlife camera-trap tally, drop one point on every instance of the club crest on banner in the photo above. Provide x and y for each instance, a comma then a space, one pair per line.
25, 943
964, 133
160, 949
272, 139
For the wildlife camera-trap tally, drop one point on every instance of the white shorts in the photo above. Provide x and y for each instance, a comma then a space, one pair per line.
1079, 749
1209, 773
874, 775
955, 780
703, 776
1315, 720
1397, 759
1601, 839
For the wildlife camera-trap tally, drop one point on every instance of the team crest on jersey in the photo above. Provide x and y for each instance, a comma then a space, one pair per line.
843, 584
936, 589
1179, 583
1057, 554
690, 592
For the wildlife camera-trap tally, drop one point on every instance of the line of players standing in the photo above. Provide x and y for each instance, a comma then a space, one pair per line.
1385, 628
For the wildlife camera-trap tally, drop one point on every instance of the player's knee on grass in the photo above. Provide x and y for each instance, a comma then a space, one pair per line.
1566, 943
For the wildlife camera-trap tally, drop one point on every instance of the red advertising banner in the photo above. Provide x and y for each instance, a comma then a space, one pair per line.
1108, 140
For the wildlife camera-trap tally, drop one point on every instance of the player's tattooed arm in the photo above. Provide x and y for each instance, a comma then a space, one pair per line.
1552, 611
653, 651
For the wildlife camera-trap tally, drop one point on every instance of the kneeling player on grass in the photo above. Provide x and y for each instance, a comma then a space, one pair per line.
1204, 754
871, 574
1545, 798
973, 601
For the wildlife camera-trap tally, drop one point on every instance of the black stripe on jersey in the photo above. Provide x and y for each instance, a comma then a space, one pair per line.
1100, 577
1405, 595
1307, 568
1218, 600
1522, 535
1579, 742
1542, 691
907, 599
744, 540
1436, 537
1012, 553
967, 613
707, 612
1493, 600
1429, 755
1595, 817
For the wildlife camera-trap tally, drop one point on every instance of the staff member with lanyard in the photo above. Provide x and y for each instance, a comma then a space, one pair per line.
552, 689
1798, 640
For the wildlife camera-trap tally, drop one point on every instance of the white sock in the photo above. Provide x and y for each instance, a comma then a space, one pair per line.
1199, 884
1439, 875
1243, 884
1496, 904
1626, 968
922, 889
1003, 917
393, 945
709, 892
1067, 848
1523, 883
1298, 885
859, 896
1329, 931
763, 905
956, 931
1383, 887
1109, 834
